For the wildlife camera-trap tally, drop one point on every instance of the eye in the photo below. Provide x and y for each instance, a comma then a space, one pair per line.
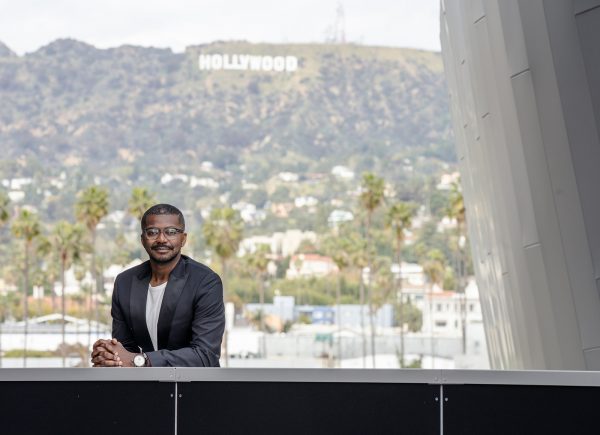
171, 232
152, 232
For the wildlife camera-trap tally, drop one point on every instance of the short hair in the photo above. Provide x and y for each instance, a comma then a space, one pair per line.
163, 209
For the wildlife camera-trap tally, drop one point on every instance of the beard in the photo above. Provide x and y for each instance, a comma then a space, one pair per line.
164, 256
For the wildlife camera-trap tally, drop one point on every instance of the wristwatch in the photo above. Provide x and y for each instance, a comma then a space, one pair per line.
140, 360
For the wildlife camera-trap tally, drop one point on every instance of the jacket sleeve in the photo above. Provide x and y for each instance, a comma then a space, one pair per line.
120, 329
208, 325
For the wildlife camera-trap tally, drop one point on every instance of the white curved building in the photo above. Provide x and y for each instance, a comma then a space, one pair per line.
524, 83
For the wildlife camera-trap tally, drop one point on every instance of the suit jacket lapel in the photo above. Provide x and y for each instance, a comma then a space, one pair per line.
172, 294
138, 296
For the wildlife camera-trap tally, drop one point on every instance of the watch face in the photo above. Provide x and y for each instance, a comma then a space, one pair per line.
139, 361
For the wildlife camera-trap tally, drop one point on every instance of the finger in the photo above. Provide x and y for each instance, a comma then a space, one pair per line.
106, 346
98, 360
100, 342
108, 363
109, 346
105, 356
109, 355
99, 350
97, 357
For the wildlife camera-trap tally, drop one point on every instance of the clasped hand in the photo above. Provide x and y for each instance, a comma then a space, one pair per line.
111, 353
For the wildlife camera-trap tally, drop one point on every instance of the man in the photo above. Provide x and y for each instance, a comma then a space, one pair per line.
168, 311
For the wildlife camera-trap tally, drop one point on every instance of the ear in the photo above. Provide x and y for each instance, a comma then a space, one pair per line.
184, 239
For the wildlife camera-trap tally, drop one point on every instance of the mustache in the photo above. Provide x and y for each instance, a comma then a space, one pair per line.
161, 245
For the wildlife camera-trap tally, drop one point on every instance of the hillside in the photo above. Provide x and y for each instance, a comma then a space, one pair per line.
131, 108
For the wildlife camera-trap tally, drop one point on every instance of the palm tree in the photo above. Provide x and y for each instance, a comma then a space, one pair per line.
4, 217
67, 242
121, 255
140, 201
5, 208
43, 276
340, 251
90, 208
223, 232
382, 281
456, 210
51, 272
433, 269
371, 198
26, 226
359, 260
258, 262
399, 219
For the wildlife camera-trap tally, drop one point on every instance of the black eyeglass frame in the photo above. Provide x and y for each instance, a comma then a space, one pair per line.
163, 231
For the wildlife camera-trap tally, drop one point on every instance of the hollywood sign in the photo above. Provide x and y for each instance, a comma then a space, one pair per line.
247, 62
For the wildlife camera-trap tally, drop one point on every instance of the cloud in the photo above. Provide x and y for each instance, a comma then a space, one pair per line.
28, 24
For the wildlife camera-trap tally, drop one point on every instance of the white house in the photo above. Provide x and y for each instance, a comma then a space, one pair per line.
307, 265
337, 217
342, 172
281, 243
442, 310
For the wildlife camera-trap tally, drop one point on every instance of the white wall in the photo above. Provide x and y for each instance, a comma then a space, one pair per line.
524, 83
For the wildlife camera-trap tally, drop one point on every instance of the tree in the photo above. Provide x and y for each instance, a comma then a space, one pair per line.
371, 198
90, 208
456, 210
340, 251
433, 269
398, 220
258, 262
359, 260
5, 208
121, 254
223, 232
51, 271
27, 227
140, 201
456, 207
4, 217
67, 242
382, 278
412, 316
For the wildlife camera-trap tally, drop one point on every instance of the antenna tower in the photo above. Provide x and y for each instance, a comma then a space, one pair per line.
339, 26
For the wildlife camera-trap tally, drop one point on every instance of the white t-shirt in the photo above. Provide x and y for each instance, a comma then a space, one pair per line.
153, 303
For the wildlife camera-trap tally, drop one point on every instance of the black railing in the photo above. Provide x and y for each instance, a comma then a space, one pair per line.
293, 401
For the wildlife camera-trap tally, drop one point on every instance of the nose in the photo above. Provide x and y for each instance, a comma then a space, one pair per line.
161, 236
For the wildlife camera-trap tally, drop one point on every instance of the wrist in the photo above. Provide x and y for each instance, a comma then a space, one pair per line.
140, 360
127, 359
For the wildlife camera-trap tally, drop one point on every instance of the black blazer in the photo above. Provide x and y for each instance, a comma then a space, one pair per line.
191, 319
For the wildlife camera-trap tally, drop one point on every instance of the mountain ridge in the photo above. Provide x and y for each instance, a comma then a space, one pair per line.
72, 102
5, 51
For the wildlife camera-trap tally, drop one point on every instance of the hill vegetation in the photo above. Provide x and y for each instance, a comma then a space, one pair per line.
70, 104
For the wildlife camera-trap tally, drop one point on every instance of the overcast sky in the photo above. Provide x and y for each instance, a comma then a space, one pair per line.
26, 25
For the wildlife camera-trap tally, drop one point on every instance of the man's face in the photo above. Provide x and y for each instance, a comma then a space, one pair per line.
163, 248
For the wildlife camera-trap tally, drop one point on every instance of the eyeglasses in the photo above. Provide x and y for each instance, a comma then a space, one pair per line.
169, 232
